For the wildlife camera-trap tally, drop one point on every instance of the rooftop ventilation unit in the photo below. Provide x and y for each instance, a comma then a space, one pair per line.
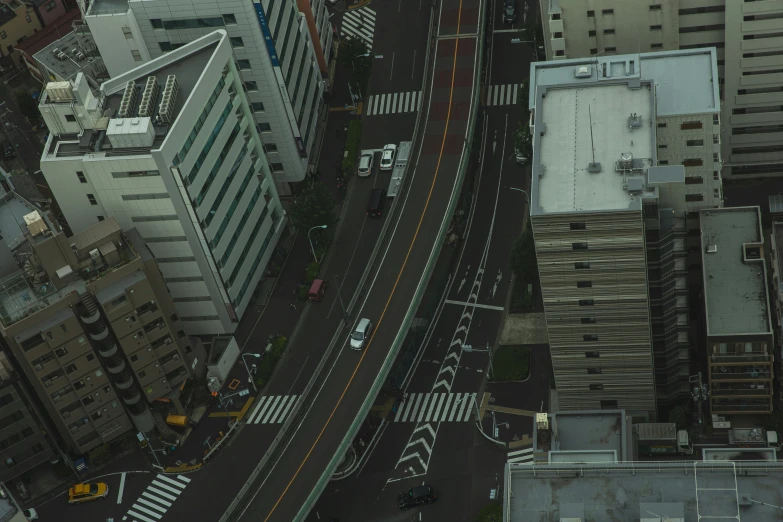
626, 161
61, 56
712, 249
149, 97
594, 167
634, 121
583, 71
167, 101
128, 102
55, 51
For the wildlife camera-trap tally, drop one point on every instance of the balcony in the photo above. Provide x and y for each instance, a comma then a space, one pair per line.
758, 357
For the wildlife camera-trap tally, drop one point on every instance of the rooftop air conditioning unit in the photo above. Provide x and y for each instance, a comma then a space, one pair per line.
583, 71
712, 249
55, 51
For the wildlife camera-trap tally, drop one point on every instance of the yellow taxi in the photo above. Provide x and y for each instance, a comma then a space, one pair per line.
87, 492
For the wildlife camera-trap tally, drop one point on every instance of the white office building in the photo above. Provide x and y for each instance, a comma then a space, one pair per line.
281, 47
170, 148
622, 165
748, 37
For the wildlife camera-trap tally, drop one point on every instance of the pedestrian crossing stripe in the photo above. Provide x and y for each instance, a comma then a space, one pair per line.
359, 23
503, 94
436, 407
272, 409
157, 498
523, 456
393, 103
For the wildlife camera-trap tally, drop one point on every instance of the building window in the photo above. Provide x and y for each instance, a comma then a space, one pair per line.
690, 125
579, 246
610, 49
264, 127
588, 320
655, 7
593, 51
243, 65
694, 180
165, 46
555, 16
656, 27
557, 35
251, 86
157, 23
229, 19
101, 218
236, 41
656, 46
663, 162
70, 368
80, 175
270, 147
586, 302
276, 167
582, 265
694, 197
136, 55
584, 284
592, 355
661, 125
593, 371
596, 386
591, 14
663, 146
609, 405
607, 11
27, 17
127, 32
134, 358
694, 143
51, 5
91, 199
142, 374
257, 106
70, 118
608, 31
591, 32
579, 226
560, 52
590, 337
692, 162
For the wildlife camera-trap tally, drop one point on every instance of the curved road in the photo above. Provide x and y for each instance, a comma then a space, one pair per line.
433, 184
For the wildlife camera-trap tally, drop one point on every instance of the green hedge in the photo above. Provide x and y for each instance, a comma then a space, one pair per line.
491, 513
267, 365
352, 144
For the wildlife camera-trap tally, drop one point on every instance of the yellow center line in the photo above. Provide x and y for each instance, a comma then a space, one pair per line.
396, 282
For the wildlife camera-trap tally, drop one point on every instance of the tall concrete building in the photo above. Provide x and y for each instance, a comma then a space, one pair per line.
610, 219
90, 325
170, 149
746, 35
281, 48
740, 340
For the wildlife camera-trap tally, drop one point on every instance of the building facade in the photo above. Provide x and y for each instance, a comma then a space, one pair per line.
281, 49
89, 323
746, 36
194, 181
610, 226
740, 339
18, 22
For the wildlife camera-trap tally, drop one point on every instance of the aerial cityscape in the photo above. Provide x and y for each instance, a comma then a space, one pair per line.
391, 260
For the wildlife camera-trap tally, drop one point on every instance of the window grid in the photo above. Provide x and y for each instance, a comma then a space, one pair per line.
218, 164
233, 207
238, 231
225, 187
200, 122
248, 244
208, 144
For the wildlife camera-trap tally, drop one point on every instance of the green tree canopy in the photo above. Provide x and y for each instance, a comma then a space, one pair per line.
523, 256
26, 103
313, 206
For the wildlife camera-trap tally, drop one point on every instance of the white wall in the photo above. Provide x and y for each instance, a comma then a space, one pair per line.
115, 48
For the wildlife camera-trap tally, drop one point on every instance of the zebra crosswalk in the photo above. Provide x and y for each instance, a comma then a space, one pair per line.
503, 94
359, 23
393, 103
436, 407
157, 498
523, 456
272, 409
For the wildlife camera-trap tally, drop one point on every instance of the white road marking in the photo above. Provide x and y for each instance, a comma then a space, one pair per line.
121, 489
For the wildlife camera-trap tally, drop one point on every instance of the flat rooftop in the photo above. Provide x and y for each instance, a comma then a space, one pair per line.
629, 492
566, 148
735, 290
589, 431
108, 7
188, 69
686, 81
72, 64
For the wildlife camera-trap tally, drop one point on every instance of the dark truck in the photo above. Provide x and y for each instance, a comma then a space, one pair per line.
662, 438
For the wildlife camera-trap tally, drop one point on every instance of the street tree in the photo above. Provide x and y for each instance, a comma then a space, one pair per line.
355, 55
312, 207
523, 256
24, 100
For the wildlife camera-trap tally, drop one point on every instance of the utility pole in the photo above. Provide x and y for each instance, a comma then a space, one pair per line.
699, 393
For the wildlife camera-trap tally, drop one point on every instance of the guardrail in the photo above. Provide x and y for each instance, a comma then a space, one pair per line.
401, 334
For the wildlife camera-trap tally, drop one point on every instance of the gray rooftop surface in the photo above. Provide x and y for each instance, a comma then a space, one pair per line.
589, 431
623, 492
68, 69
735, 291
107, 7
686, 80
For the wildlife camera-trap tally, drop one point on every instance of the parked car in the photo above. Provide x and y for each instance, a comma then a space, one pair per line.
365, 164
417, 496
30, 514
86, 492
361, 333
387, 156
520, 156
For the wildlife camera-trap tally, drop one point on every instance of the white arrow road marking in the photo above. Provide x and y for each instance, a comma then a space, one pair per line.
422, 442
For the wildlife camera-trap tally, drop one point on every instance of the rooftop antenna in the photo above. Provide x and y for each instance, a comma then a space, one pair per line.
593, 167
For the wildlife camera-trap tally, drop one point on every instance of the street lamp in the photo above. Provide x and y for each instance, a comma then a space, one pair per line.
311, 241
527, 196
250, 375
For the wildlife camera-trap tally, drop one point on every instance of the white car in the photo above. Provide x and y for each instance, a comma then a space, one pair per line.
387, 156
30, 514
361, 333
365, 164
